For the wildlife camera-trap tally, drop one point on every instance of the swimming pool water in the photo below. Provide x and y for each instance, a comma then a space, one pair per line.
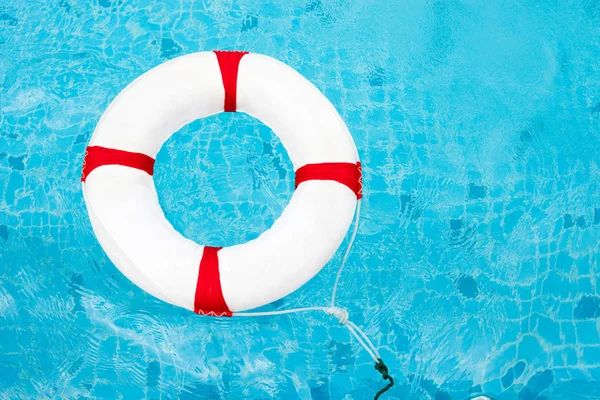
477, 263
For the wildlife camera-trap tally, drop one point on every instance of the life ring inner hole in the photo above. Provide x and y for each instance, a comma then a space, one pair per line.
224, 179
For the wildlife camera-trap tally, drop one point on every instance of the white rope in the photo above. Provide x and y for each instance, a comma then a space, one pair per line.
354, 326
278, 312
340, 313
339, 272
372, 352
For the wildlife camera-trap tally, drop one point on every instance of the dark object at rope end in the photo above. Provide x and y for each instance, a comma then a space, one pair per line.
383, 370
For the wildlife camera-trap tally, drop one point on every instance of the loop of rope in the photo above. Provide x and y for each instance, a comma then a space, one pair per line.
341, 314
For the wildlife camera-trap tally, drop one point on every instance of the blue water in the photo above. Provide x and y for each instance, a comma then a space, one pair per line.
477, 263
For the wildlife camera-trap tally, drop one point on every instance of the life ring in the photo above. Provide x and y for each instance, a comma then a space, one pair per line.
123, 205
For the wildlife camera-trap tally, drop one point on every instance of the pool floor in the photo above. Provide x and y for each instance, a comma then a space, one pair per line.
477, 262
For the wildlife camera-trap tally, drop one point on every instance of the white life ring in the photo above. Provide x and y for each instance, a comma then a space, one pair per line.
123, 205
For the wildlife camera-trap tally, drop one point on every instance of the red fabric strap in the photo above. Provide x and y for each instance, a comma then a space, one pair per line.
345, 173
209, 296
97, 156
229, 62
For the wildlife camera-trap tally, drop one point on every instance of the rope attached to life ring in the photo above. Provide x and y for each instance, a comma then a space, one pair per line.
341, 314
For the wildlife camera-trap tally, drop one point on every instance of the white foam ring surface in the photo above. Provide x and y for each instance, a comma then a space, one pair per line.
123, 204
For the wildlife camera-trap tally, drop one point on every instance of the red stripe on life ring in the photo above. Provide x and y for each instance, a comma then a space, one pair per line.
209, 298
229, 62
347, 174
97, 156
